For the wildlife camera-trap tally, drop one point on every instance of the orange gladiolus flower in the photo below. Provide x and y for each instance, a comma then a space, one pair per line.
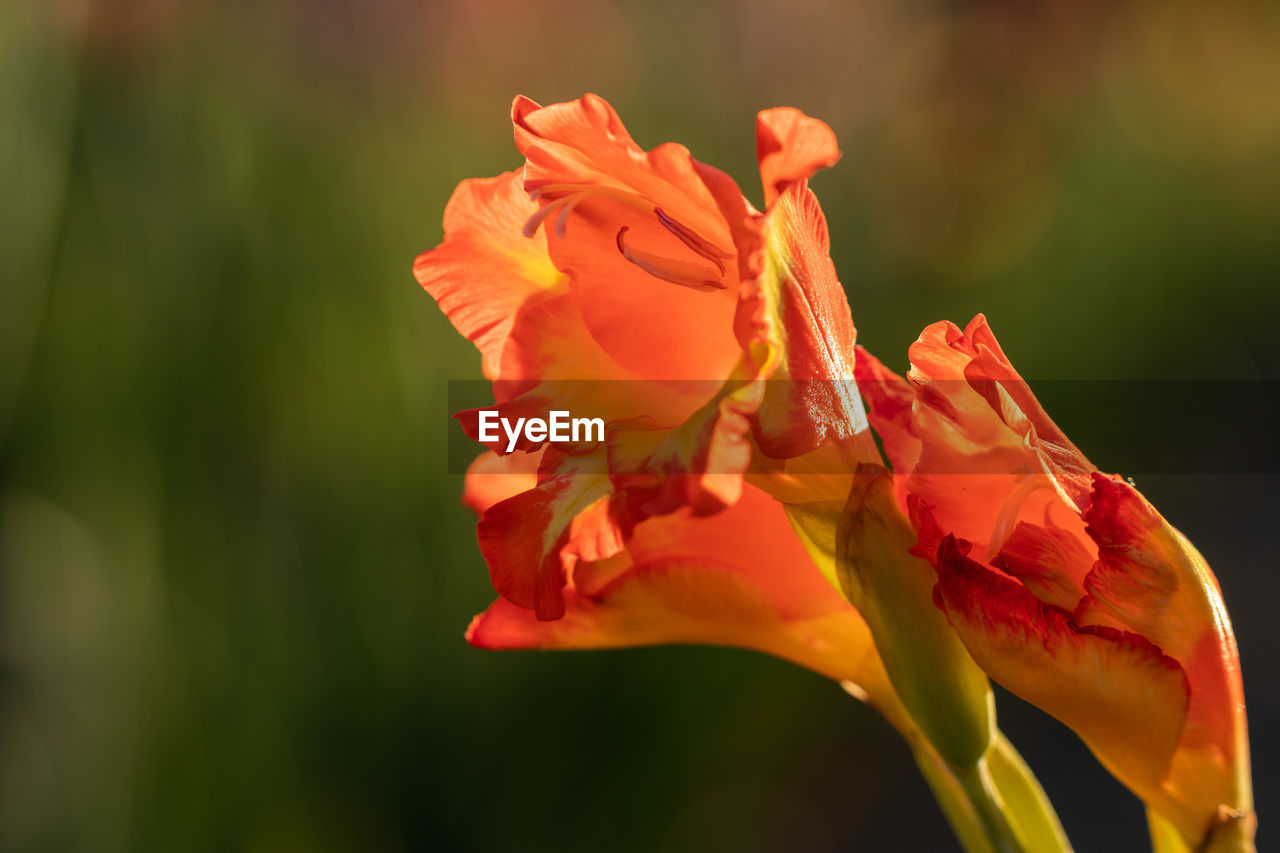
608, 279
1066, 585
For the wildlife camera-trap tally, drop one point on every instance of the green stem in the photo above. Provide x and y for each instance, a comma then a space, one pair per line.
1026, 804
954, 802
996, 806
989, 807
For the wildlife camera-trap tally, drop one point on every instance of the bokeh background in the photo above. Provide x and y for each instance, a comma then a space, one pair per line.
235, 572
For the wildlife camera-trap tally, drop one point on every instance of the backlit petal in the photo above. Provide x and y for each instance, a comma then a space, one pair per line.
951, 359
486, 271
1077, 600
797, 305
791, 146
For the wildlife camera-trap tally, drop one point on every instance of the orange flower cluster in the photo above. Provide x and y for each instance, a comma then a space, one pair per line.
716, 342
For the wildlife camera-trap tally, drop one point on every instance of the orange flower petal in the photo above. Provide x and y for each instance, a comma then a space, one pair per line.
997, 407
656, 307
797, 305
791, 146
501, 290
486, 271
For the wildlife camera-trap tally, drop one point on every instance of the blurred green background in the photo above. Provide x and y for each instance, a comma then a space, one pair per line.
235, 573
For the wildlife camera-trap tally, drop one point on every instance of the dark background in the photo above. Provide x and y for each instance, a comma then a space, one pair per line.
235, 572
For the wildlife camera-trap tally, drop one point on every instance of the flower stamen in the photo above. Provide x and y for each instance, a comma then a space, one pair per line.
690, 238
668, 269
564, 206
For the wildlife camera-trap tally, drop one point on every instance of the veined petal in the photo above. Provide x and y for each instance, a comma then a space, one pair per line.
791, 146
797, 305
1148, 575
